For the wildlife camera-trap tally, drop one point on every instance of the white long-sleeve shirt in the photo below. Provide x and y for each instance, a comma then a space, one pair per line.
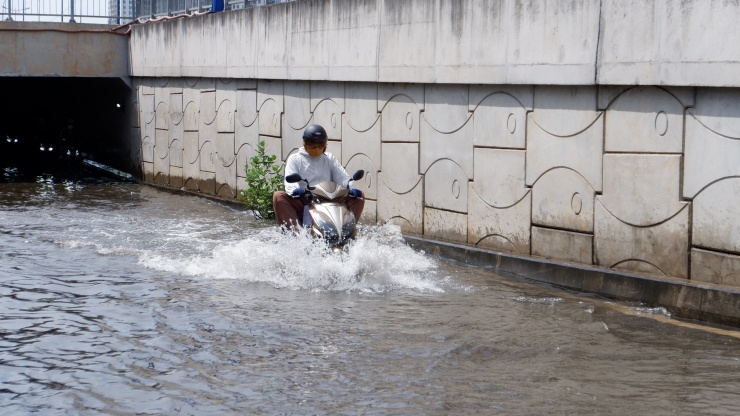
324, 168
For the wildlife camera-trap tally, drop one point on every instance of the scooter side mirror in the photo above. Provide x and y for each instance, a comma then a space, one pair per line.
293, 178
358, 175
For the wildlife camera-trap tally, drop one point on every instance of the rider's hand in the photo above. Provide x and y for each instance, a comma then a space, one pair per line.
355, 193
299, 192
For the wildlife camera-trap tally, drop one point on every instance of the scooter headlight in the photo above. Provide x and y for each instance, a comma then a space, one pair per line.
327, 229
348, 229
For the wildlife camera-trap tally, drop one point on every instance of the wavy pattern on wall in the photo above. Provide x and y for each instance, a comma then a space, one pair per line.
643, 179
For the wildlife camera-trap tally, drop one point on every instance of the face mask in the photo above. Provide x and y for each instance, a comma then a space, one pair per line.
314, 150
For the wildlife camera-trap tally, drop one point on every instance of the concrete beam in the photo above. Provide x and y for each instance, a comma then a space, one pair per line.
529, 42
44, 49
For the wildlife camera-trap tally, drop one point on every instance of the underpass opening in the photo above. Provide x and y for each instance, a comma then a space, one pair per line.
53, 124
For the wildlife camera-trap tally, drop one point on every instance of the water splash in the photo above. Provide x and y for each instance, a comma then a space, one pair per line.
378, 261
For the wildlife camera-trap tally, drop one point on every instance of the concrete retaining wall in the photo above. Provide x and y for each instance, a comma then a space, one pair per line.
601, 133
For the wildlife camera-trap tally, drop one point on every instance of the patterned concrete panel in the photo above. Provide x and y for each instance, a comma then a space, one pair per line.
225, 173
562, 245
499, 176
400, 166
246, 107
135, 111
608, 93
207, 106
369, 183
361, 106
176, 154
644, 119
366, 142
245, 136
335, 148
297, 104
446, 106
161, 145
147, 108
162, 116
246, 84
225, 116
270, 91
658, 249
225, 90
135, 150
713, 267
456, 146
207, 133
718, 110
369, 213
323, 90
500, 121
161, 149
176, 179
225, 105
564, 111
505, 229
191, 157
563, 199
270, 119
523, 94
273, 147
176, 110
389, 91
225, 146
147, 149
711, 153
716, 216
207, 158
191, 117
292, 138
148, 171
581, 153
403, 209
642, 190
328, 114
445, 225
400, 120
446, 187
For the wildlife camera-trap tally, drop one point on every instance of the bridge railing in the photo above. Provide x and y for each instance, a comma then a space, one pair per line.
159, 8
113, 11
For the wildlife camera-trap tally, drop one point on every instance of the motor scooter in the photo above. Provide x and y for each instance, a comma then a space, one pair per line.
327, 215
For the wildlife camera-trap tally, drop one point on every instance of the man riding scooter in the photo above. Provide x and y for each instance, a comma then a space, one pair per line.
315, 165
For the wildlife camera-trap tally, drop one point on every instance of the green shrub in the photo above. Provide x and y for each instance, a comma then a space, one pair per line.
263, 179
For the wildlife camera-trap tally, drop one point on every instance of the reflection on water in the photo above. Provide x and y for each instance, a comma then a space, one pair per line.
122, 299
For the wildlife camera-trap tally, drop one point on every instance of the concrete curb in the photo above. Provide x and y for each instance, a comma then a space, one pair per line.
683, 298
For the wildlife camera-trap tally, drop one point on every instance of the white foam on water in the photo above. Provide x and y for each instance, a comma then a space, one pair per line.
377, 261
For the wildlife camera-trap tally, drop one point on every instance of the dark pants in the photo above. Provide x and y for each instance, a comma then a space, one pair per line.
289, 211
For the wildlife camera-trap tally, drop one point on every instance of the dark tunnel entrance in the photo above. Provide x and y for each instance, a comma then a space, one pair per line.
50, 125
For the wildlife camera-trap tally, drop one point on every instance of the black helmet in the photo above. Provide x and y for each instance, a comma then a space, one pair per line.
314, 133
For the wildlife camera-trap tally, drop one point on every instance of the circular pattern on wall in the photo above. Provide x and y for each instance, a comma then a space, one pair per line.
511, 123
576, 203
661, 123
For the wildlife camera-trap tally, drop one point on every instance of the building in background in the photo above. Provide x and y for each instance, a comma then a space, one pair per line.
126, 11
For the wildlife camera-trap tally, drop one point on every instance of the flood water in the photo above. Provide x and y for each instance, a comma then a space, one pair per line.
118, 298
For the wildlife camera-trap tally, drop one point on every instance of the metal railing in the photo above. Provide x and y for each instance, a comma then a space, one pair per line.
158, 8
112, 11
